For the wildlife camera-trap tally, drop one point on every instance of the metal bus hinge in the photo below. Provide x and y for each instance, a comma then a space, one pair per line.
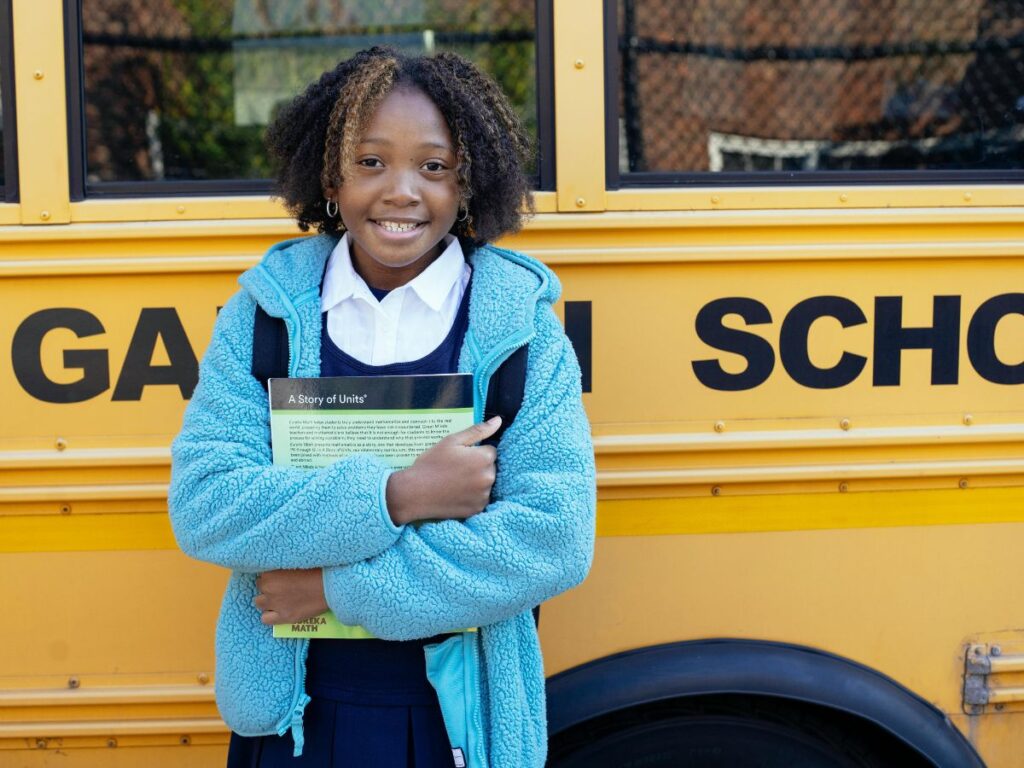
992, 679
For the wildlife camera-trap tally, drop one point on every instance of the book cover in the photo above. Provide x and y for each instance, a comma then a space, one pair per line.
316, 421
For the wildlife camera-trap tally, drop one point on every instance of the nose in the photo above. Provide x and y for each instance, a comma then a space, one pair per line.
402, 189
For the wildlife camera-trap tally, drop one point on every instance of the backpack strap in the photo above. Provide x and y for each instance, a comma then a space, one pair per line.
269, 348
505, 392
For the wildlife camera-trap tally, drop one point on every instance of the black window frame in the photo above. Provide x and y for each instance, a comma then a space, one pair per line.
81, 189
615, 179
9, 188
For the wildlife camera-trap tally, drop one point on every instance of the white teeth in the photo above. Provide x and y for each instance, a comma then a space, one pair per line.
397, 226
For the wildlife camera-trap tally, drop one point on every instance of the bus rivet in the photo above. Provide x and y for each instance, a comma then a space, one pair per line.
1000, 707
968, 196
715, 199
843, 487
203, 678
963, 484
181, 209
844, 424
719, 426
40, 743
44, 215
65, 509
580, 202
61, 444
843, 198
968, 419
38, 74
111, 743
716, 491
74, 682
579, 64
185, 741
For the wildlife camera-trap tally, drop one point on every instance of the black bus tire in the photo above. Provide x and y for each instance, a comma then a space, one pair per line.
730, 732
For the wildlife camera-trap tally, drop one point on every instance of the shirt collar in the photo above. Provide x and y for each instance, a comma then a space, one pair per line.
432, 285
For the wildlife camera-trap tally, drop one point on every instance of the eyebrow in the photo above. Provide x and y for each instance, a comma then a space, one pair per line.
425, 144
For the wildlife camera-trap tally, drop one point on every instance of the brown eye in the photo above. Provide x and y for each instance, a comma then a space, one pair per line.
434, 166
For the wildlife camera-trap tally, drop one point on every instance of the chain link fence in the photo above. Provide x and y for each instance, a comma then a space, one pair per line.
184, 89
788, 85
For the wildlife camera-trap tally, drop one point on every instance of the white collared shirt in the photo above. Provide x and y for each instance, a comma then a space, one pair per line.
410, 322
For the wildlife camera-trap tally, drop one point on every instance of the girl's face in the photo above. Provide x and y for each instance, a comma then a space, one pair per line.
401, 195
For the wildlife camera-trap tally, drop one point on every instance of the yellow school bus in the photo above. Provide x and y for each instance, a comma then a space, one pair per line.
791, 240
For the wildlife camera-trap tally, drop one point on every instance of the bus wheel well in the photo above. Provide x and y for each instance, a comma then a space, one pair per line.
725, 726
777, 685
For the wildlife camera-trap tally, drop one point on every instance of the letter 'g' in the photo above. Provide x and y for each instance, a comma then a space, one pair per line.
28, 365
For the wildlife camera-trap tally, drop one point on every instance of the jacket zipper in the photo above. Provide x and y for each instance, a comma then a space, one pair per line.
293, 720
491, 364
290, 317
478, 722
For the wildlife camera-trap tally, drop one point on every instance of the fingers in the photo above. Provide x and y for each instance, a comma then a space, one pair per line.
267, 615
488, 452
478, 432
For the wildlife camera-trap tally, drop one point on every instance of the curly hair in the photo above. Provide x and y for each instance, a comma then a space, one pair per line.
313, 138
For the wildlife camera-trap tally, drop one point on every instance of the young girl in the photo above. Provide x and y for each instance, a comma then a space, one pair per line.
408, 168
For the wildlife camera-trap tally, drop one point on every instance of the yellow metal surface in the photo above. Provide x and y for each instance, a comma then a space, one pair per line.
1004, 664
104, 529
863, 196
10, 213
109, 646
579, 105
856, 592
104, 752
38, 32
220, 207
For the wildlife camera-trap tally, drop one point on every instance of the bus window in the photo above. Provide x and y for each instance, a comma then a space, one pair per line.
177, 96
777, 89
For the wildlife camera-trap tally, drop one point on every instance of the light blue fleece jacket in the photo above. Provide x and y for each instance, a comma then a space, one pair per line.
229, 505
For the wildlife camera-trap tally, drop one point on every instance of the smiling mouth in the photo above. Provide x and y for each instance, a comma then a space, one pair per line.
398, 227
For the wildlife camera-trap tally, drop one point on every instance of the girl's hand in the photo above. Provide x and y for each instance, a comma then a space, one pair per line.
287, 597
449, 481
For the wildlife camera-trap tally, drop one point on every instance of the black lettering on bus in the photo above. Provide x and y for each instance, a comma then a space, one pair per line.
26, 359
579, 329
981, 339
712, 331
138, 370
793, 342
891, 338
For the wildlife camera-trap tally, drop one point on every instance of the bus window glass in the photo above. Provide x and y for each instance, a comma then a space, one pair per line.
791, 85
182, 90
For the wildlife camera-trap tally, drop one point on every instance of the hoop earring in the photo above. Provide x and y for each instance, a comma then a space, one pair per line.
331, 214
464, 216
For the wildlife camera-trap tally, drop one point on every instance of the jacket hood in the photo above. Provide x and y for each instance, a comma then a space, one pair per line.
506, 285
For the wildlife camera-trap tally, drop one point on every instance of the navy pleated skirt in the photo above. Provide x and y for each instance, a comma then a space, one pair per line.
372, 705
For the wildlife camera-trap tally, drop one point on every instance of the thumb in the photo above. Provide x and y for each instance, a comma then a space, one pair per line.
478, 432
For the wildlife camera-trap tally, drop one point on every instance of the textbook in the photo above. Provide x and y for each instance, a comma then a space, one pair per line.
314, 422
